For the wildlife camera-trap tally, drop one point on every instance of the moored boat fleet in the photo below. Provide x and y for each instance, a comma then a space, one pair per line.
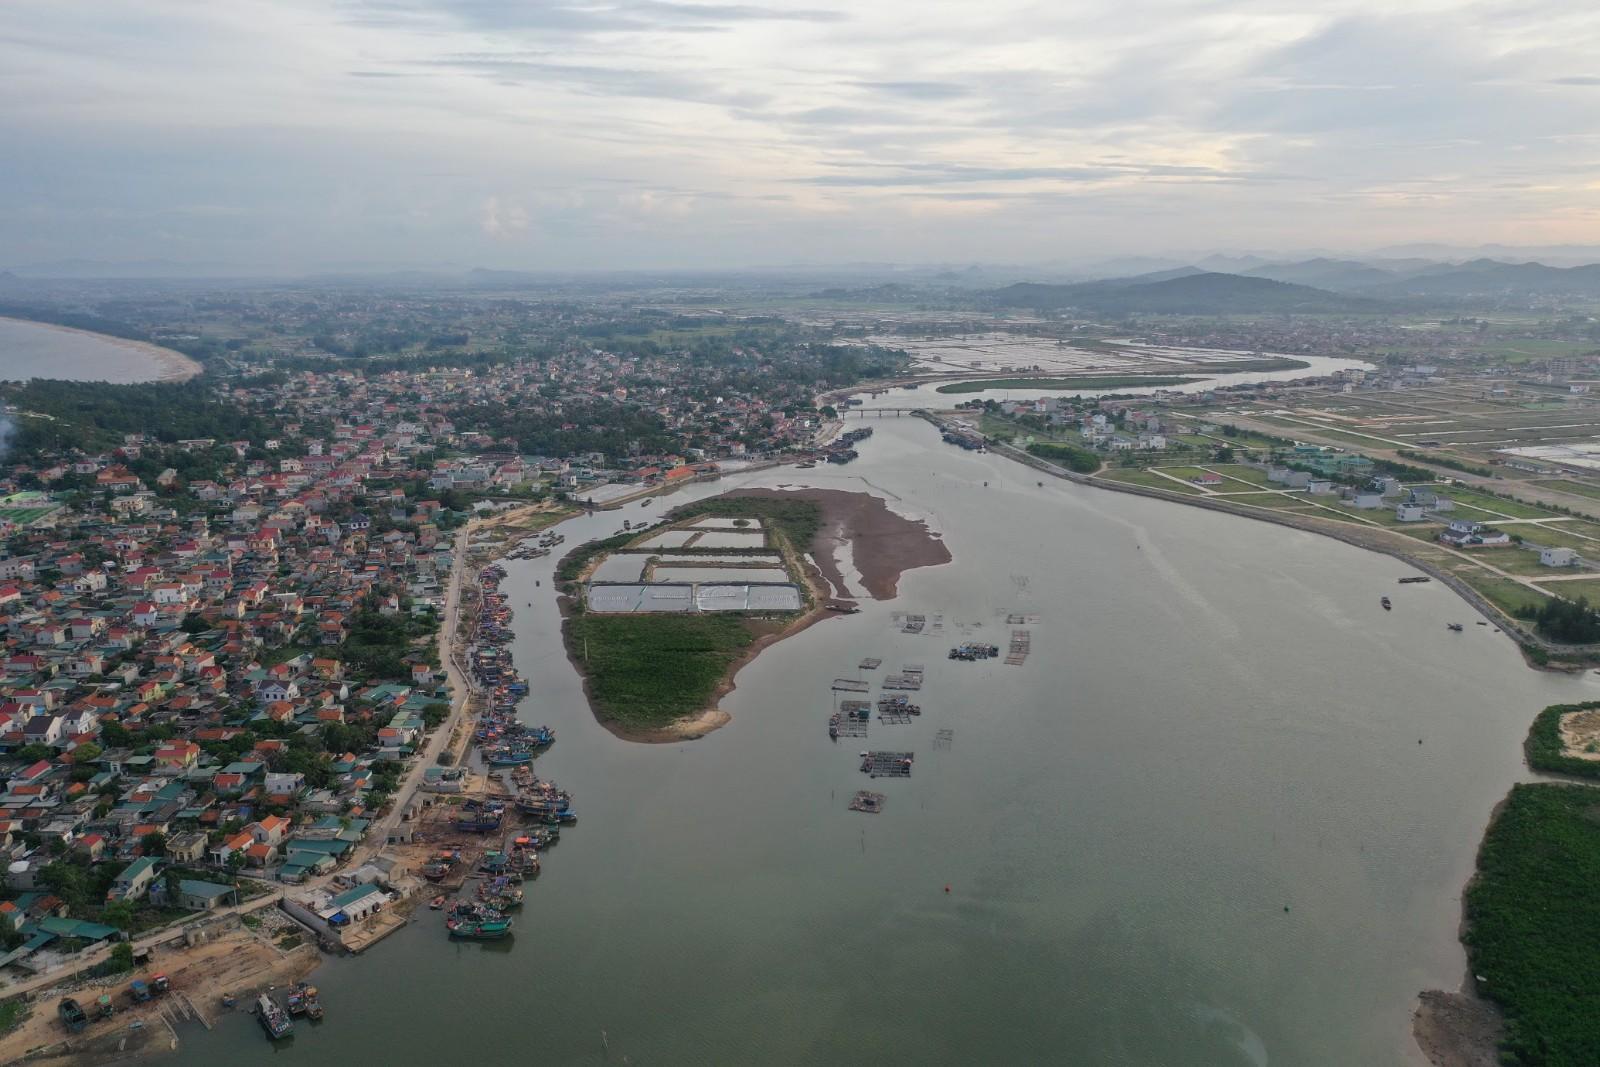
507, 747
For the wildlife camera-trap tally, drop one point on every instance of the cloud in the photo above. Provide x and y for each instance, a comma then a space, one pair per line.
502, 220
658, 131
918, 90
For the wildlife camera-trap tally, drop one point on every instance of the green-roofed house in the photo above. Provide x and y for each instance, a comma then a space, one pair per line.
135, 880
196, 895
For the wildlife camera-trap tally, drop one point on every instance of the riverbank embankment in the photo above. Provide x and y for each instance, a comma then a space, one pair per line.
1373, 539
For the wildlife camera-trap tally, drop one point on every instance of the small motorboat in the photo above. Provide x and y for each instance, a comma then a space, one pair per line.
1386, 605
437, 902
1456, 626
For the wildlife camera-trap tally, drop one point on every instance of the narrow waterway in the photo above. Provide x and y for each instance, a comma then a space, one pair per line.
927, 394
1196, 827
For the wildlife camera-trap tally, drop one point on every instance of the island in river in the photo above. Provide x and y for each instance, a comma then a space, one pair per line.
658, 676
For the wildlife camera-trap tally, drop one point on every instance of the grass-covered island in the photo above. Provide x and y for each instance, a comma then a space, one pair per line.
1531, 933
1565, 739
1528, 917
647, 672
657, 675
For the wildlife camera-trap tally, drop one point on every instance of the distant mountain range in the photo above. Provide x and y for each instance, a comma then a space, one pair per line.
1321, 285
1185, 291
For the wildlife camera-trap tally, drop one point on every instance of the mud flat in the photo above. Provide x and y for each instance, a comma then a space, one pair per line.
883, 544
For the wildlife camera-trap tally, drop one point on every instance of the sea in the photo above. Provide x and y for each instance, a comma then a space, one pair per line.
37, 350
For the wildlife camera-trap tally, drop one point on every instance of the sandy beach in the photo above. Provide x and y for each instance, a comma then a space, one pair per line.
174, 366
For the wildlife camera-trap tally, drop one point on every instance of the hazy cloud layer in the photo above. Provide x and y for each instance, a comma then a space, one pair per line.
301, 133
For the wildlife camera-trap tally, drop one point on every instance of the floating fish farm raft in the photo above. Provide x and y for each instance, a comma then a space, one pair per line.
851, 720
909, 678
887, 764
870, 664
871, 803
897, 710
1021, 645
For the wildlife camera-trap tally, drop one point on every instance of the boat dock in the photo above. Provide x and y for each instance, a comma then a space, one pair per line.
1021, 645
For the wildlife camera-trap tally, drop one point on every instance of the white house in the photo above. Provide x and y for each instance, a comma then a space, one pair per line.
1558, 557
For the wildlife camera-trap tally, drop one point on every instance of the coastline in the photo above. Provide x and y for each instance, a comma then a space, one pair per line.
884, 544
174, 366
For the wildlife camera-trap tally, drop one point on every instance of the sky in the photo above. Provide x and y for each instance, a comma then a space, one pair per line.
566, 134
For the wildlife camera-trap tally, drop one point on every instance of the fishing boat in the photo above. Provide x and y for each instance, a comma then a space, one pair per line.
437, 902
1456, 626
296, 1000
1415, 578
313, 1002
272, 1018
1386, 605
476, 922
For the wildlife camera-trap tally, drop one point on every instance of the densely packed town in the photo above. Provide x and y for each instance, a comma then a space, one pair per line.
222, 655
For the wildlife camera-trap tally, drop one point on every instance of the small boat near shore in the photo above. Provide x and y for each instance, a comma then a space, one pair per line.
1415, 578
1386, 605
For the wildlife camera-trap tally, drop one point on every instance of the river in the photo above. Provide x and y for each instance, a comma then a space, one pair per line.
927, 394
41, 350
1197, 827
